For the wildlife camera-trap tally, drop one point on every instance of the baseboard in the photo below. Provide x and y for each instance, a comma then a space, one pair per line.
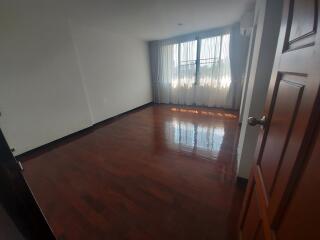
116, 117
63, 140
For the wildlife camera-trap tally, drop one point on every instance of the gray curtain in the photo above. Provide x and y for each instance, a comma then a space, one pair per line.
238, 57
154, 55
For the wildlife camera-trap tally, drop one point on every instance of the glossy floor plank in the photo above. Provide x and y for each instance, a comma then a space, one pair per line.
164, 172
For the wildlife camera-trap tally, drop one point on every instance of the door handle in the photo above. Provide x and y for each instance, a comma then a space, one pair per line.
252, 121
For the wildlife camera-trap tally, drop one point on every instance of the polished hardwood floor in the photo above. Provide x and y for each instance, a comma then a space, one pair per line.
163, 172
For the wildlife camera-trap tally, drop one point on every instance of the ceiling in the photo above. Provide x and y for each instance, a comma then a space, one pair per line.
157, 19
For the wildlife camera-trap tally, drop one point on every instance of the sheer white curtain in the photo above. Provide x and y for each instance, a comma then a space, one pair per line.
193, 72
182, 87
213, 87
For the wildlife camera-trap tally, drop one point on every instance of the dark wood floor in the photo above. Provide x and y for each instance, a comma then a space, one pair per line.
163, 172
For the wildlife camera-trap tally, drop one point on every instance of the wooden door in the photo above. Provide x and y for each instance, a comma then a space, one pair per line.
17, 199
282, 199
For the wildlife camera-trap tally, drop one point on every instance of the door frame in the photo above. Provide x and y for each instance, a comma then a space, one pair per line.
17, 198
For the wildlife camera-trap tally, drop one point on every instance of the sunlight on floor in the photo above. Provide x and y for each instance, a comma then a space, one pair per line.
203, 112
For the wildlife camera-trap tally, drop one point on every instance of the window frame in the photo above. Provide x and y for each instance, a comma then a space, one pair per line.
198, 40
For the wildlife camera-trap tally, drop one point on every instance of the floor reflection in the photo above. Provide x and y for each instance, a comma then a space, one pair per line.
195, 137
157, 168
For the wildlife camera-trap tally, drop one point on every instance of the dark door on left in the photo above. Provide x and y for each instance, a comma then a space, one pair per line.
17, 199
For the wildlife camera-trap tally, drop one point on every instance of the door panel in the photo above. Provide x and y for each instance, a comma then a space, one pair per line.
301, 23
252, 219
286, 104
283, 177
303, 213
303, 17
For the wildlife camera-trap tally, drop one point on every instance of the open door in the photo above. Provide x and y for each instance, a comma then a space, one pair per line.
282, 197
17, 199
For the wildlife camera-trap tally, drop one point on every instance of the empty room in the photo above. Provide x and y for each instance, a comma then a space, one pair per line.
159, 120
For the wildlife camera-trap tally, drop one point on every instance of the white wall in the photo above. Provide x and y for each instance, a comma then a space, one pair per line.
47, 83
267, 21
115, 69
41, 96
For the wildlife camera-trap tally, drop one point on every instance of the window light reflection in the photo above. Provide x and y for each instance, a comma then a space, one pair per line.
195, 137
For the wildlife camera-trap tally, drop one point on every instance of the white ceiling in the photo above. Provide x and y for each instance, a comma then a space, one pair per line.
157, 19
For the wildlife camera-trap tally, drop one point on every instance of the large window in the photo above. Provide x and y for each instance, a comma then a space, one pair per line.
188, 59
194, 71
203, 62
